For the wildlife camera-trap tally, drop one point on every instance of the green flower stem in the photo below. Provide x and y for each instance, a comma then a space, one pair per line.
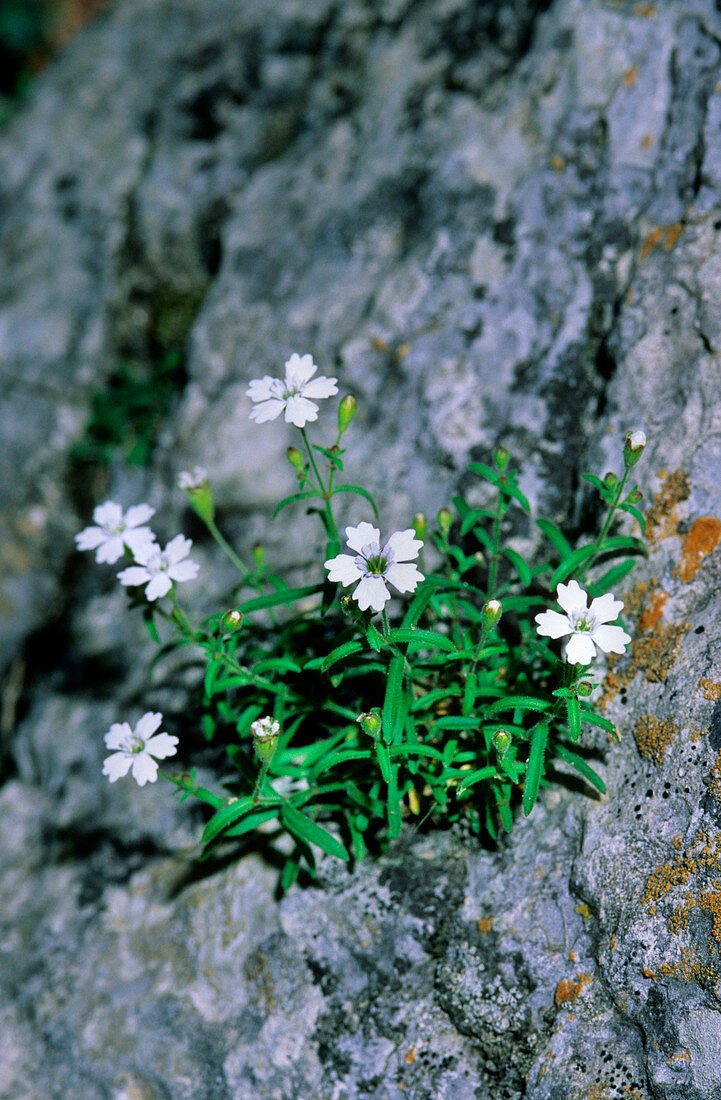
182, 619
330, 524
493, 564
260, 781
226, 547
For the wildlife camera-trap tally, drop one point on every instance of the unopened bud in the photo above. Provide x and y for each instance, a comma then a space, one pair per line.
610, 480
633, 448
295, 458
232, 620
635, 496
490, 614
501, 742
420, 526
444, 520
265, 738
346, 412
501, 457
584, 688
370, 723
196, 487
258, 553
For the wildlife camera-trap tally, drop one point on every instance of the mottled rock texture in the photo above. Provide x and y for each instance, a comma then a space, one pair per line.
494, 222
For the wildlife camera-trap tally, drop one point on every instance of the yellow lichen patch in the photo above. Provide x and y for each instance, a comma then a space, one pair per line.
650, 241
569, 989
647, 141
630, 76
485, 924
410, 1056
557, 163
710, 689
646, 11
704, 536
651, 654
653, 737
715, 779
671, 236
662, 518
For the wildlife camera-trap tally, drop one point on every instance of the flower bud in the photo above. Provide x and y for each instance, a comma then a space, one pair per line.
490, 614
584, 688
265, 738
232, 620
501, 742
610, 480
196, 487
258, 553
633, 448
501, 457
295, 458
370, 723
420, 526
635, 496
444, 520
346, 412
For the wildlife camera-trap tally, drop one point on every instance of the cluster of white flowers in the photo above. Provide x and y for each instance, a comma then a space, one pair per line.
154, 567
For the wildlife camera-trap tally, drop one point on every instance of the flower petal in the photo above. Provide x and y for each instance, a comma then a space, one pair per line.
343, 568
551, 624
572, 597
320, 387
112, 549
605, 608
146, 726
362, 535
372, 592
580, 649
138, 539
134, 575
260, 389
403, 577
267, 410
90, 538
184, 570
299, 410
298, 369
116, 765
159, 586
139, 513
145, 770
162, 746
611, 639
404, 545
177, 549
108, 515
118, 736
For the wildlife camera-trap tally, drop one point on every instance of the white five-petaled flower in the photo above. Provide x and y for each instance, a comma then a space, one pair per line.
192, 479
292, 394
135, 748
158, 568
115, 531
373, 566
588, 626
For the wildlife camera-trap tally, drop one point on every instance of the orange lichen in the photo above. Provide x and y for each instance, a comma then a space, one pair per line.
651, 654
703, 537
557, 163
661, 517
630, 76
653, 737
710, 689
714, 785
569, 989
379, 344
410, 1056
647, 141
485, 924
646, 11
652, 611
650, 241
671, 236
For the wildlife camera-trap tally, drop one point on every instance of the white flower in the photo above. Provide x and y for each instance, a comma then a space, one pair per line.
586, 625
159, 568
192, 479
273, 395
136, 748
636, 441
265, 729
115, 531
373, 566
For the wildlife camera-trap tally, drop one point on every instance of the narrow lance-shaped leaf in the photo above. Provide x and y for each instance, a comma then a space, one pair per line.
534, 770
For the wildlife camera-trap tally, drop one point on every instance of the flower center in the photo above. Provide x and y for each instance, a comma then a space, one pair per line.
137, 744
376, 564
156, 563
583, 622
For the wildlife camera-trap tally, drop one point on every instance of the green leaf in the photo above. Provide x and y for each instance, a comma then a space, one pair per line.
581, 766
534, 769
213, 668
471, 778
294, 498
374, 639
393, 715
340, 757
339, 653
150, 624
610, 579
275, 599
226, 817
332, 456
414, 750
429, 700
357, 489
419, 638
518, 564
555, 536
503, 804
384, 760
509, 488
306, 829
594, 719
572, 562
485, 472
622, 542
637, 515
252, 821
574, 717
457, 723
518, 702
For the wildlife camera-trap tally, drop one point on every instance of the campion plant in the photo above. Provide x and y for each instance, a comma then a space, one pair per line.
382, 690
